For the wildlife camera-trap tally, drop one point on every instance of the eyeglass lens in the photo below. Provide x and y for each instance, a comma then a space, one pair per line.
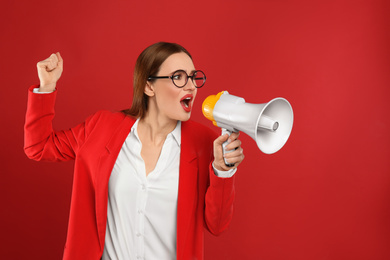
180, 78
199, 78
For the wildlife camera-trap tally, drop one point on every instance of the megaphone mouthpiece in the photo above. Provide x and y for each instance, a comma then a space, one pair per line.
208, 106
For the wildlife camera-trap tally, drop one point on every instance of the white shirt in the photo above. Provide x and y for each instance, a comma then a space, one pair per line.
142, 210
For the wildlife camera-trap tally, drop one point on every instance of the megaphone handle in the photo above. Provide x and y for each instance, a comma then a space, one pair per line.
225, 131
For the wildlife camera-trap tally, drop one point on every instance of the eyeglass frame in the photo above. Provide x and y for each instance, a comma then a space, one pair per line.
173, 81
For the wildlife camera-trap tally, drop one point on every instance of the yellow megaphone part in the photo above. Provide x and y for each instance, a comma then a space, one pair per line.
208, 106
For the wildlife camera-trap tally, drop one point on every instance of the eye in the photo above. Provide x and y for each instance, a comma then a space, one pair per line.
177, 76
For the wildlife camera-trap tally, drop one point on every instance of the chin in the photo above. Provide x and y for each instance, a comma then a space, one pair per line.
185, 117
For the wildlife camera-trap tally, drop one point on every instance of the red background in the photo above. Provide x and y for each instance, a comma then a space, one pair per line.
325, 195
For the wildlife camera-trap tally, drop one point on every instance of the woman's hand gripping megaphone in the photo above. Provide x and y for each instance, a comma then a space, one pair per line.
229, 148
228, 152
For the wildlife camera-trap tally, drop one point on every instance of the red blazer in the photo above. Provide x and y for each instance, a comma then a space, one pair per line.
204, 200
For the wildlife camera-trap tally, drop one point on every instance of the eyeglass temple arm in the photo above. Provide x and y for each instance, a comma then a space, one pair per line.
160, 77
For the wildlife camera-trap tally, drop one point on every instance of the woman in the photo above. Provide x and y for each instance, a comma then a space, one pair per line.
147, 181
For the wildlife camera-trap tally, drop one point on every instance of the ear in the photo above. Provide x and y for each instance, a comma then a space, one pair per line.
149, 89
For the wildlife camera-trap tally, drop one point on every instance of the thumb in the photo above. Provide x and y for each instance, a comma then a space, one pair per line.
60, 60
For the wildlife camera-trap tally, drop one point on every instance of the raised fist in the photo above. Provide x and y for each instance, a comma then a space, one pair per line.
49, 72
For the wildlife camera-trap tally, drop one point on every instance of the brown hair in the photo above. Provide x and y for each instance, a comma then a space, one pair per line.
148, 64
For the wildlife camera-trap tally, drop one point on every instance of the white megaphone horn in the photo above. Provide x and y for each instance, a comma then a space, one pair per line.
269, 124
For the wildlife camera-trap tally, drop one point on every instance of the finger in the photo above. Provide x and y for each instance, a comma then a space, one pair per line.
43, 64
53, 62
46, 65
54, 57
235, 154
221, 139
233, 136
233, 145
235, 157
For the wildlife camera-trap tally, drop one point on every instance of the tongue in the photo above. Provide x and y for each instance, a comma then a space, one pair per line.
185, 103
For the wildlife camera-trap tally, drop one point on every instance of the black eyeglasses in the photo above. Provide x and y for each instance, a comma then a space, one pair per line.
180, 78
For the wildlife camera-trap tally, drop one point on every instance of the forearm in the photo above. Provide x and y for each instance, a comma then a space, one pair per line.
40, 141
219, 203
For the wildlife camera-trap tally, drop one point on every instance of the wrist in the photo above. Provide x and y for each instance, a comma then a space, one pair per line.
217, 166
47, 88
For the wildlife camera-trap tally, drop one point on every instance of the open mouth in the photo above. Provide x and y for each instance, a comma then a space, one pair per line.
186, 102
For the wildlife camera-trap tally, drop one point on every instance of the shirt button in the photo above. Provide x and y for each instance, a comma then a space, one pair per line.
138, 234
143, 187
139, 211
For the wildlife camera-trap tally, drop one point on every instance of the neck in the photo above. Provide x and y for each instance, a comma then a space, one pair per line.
152, 128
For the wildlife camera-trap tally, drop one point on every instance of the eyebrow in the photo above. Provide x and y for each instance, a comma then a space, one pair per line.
192, 71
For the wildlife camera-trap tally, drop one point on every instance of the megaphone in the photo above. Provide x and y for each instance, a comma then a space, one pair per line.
269, 124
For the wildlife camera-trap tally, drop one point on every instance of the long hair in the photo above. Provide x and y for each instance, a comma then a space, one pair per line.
148, 64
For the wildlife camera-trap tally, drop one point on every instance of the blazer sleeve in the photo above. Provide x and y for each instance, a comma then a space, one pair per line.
41, 142
219, 199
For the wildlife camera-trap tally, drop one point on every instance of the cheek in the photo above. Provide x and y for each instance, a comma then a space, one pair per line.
170, 96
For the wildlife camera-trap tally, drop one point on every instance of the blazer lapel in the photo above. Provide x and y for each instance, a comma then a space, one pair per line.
188, 183
105, 165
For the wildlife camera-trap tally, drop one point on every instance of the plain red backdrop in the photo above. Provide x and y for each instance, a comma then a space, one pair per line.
325, 195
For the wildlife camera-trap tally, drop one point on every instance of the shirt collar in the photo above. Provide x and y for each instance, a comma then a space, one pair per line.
177, 133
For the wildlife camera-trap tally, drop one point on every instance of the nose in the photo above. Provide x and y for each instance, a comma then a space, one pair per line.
190, 84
